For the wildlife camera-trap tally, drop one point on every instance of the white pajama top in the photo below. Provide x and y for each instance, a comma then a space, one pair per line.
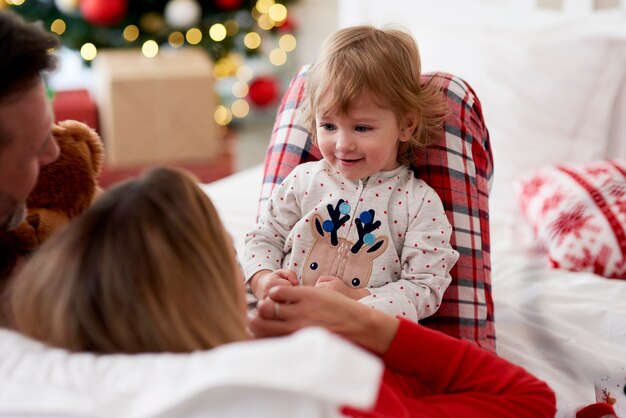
387, 232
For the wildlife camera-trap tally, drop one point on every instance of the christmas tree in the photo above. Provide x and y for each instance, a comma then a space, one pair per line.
234, 32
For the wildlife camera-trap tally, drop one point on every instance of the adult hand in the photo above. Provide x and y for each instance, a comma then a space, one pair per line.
300, 307
338, 285
264, 280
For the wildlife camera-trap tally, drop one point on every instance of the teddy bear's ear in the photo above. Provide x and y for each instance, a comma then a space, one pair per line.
81, 132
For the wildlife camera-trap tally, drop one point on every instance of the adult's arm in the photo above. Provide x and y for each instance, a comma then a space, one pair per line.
461, 379
431, 374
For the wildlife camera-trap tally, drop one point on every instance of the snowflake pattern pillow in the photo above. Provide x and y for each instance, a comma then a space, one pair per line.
578, 213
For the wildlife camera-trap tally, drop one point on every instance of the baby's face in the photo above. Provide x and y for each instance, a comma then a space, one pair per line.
362, 141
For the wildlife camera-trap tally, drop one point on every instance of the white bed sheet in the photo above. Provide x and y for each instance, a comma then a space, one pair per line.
568, 329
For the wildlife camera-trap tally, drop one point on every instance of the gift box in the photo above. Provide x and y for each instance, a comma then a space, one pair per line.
156, 110
77, 105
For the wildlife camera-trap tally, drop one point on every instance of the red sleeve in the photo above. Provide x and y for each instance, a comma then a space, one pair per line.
430, 374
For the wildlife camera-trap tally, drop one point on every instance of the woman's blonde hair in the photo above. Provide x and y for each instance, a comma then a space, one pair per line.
148, 268
385, 63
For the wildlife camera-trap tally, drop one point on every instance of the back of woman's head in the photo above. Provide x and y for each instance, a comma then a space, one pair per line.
383, 62
147, 268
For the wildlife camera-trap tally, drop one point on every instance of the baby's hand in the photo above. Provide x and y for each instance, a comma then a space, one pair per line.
264, 280
336, 284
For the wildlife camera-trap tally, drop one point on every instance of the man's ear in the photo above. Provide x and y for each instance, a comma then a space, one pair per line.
407, 126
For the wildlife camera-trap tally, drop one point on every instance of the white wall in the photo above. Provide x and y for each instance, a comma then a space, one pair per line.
316, 19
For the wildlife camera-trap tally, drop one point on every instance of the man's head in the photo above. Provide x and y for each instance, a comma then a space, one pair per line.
26, 142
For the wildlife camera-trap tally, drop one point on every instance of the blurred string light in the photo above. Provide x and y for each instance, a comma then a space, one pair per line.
287, 42
265, 22
58, 27
245, 73
223, 115
263, 6
232, 27
88, 51
217, 32
227, 66
278, 57
277, 13
150, 49
152, 22
194, 36
240, 108
240, 89
131, 33
176, 39
252, 40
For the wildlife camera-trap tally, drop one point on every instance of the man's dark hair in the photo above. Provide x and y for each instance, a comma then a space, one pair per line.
25, 52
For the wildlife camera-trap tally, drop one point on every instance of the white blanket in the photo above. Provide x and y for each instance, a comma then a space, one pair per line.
302, 375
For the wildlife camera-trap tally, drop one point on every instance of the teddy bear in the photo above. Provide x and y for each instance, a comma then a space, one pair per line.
64, 189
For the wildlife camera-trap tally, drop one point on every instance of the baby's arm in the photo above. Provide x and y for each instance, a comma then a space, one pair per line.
426, 258
265, 244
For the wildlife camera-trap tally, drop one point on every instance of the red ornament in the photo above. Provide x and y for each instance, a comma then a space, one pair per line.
264, 91
229, 4
103, 12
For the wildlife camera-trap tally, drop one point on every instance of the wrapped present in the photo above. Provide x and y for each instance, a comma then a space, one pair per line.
156, 110
77, 105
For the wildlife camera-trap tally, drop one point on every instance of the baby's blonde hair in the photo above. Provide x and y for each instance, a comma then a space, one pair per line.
385, 63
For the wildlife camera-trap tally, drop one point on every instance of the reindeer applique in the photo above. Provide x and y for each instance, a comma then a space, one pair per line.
333, 256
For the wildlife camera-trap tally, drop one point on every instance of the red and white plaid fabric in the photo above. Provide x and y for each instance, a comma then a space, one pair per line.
578, 213
459, 167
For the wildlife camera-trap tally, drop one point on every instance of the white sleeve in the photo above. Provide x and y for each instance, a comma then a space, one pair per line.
426, 258
265, 244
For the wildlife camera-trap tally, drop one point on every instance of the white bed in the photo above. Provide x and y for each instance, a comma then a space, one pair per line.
553, 90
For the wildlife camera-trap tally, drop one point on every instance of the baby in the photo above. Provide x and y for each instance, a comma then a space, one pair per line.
358, 221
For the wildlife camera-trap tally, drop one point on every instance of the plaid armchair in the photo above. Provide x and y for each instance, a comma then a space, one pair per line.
459, 167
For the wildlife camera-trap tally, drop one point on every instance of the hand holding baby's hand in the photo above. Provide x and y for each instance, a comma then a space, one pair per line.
338, 285
264, 280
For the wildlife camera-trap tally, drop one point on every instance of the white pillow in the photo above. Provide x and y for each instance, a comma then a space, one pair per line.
309, 374
548, 97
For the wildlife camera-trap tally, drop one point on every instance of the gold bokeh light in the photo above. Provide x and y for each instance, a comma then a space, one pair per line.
131, 33
266, 22
176, 39
287, 42
88, 51
240, 108
240, 89
263, 6
245, 73
232, 27
278, 57
194, 36
252, 40
217, 32
150, 49
223, 115
58, 26
278, 13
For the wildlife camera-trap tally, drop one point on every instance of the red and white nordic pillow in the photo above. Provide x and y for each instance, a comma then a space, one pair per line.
578, 213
